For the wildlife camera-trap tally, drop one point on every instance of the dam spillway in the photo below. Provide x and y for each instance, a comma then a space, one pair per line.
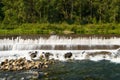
19, 46
59, 43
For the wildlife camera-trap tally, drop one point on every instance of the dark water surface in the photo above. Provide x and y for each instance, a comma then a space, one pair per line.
19, 75
84, 70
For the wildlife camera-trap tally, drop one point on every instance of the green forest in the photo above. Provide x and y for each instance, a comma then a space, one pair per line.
59, 16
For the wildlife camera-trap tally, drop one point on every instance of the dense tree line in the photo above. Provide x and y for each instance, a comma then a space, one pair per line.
58, 11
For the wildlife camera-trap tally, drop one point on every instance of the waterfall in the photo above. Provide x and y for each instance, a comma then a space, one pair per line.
59, 45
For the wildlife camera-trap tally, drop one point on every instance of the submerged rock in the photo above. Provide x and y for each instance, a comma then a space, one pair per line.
100, 53
103, 53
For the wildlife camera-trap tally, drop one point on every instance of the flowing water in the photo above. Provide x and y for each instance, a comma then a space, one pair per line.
84, 70
90, 47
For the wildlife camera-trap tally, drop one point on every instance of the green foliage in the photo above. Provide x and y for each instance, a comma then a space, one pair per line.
59, 11
60, 16
1, 12
64, 28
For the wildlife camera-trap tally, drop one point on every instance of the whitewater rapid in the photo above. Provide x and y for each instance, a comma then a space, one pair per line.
59, 46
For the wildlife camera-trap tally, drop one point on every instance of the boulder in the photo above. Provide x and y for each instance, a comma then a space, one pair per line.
47, 55
41, 57
33, 54
23, 64
68, 55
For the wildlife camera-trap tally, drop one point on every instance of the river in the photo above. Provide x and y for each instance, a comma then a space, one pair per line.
93, 56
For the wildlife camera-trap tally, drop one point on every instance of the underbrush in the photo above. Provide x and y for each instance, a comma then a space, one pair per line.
64, 28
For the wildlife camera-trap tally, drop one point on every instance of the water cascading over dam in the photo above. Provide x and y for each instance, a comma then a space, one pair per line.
82, 47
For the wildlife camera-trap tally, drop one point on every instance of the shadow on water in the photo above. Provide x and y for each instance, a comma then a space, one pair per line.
84, 70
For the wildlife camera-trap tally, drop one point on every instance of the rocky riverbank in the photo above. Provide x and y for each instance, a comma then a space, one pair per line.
32, 68
23, 64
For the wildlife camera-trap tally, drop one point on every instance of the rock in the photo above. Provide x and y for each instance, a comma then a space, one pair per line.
46, 74
23, 64
3, 63
6, 60
83, 52
104, 53
47, 55
45, 66
46, 62
33, 54
68, 55
37, 65
14, 68
41, 57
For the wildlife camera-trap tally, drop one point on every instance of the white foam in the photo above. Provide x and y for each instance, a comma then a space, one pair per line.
59, 55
